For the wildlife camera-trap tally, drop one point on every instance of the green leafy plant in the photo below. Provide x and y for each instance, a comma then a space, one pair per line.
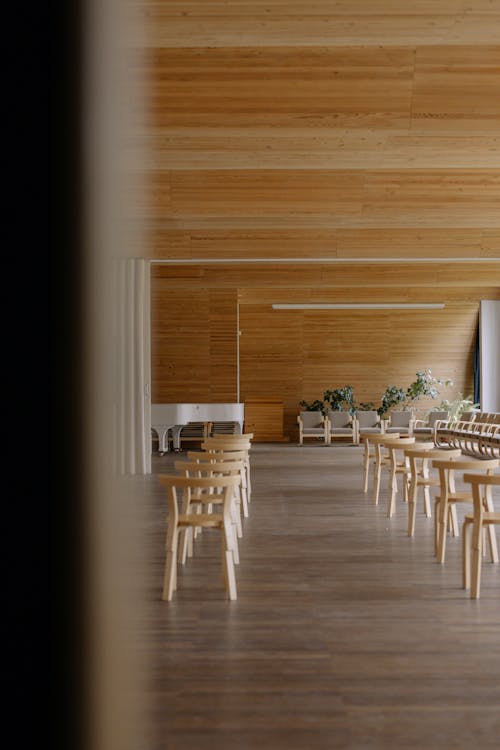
458, 406
425, 384
366, 406
315, 405
393, 396
340, 399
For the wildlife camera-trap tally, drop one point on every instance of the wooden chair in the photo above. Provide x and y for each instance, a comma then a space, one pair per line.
205, 500
449, 497
312, 424
368, 455
401, 422
214, 456
427, 427
476, 522
382, 459
227, 443
367, 423
179, 521
419, 456
340, 424
399, 465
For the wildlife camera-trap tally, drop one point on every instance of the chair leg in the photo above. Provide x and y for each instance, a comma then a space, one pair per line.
248, 482
376, 482
183, 546
492, 539
406, 487
477, 537
437, 501
443, 519
454, 520
366, 469
466, 553
427, 502
391, 501
170, 575
228, 563
231, 578
244, 500
412, 505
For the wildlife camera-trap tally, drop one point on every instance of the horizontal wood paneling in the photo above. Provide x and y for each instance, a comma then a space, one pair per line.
193, 346
300, 353
343, 130
317, 23
236, 150
281, 87
321, 243
337, 275
352, 198
458, 86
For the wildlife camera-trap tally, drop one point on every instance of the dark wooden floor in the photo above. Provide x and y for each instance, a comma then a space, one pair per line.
345, 634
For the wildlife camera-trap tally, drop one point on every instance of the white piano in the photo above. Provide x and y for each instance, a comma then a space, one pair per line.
167, 418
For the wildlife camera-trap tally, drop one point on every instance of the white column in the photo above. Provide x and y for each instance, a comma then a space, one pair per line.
489, 348
132, 405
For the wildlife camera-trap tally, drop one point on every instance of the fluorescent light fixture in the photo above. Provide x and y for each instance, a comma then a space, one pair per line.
361, 306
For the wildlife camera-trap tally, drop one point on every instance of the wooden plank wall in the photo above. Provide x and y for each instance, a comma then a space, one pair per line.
345, 131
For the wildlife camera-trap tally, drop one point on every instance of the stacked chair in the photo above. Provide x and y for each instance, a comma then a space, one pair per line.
210, 490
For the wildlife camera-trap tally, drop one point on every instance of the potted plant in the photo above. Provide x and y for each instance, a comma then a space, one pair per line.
315, 405
392, 396
425, 384
458, 406
340, 399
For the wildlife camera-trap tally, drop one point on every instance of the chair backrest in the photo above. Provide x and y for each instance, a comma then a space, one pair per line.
401, 418
435, 415
174, 482
368, 418
213, 456
217, 444
311, 418
478, 479
467, 416
207, 468
340, 418
464, 464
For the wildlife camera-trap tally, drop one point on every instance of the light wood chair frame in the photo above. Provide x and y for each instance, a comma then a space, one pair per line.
205, 500
178, 521
323, 435
449, 497
419, 456
473, 528
228, 443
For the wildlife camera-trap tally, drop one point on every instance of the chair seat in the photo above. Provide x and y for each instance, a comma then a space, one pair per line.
341, 430
370, 430
313, 430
